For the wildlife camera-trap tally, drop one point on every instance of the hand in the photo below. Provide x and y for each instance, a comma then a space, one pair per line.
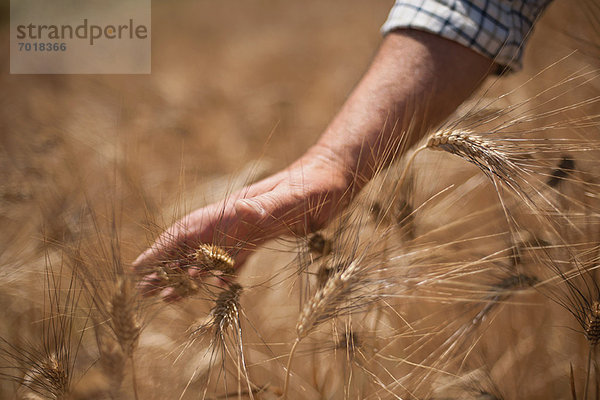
416, 80
297, 200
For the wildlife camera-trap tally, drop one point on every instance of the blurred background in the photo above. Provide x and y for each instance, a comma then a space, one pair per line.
231, 82
238, 90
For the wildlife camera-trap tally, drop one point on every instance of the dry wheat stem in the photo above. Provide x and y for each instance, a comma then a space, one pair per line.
288, 372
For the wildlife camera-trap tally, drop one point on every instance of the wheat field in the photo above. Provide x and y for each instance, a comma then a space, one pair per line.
466, 270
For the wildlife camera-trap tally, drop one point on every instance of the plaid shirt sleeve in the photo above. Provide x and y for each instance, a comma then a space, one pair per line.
494, 28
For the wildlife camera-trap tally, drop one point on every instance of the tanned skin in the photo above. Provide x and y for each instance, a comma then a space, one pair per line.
414, 83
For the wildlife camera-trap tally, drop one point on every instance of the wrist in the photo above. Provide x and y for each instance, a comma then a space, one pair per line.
336, 163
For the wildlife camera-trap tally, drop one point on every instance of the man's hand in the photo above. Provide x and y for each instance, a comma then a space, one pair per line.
415, 82
298, 200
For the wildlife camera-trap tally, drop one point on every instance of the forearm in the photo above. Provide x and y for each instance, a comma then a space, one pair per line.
415, 82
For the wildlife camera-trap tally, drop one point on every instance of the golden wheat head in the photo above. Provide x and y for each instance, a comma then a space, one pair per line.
123, 317
592, 324
326, 300
477, 150
213, 258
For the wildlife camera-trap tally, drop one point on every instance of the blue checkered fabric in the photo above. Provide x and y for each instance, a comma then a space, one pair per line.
495, 28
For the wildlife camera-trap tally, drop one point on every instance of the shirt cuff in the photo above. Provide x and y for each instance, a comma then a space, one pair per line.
497, 29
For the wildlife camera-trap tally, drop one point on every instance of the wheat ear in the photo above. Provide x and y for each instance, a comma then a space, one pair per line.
224, 313
476, 150
124, 322
178, 279
325, 300
322, 305
213, 258
224, 318
48, 374
319, 246
123, 316
592, 324
112, 359
226, 309
205, 258
592, 334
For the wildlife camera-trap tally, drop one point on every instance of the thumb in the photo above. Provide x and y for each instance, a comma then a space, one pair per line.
271, 212
251, 210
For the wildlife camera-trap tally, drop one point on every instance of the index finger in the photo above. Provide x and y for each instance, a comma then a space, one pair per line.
200, 226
